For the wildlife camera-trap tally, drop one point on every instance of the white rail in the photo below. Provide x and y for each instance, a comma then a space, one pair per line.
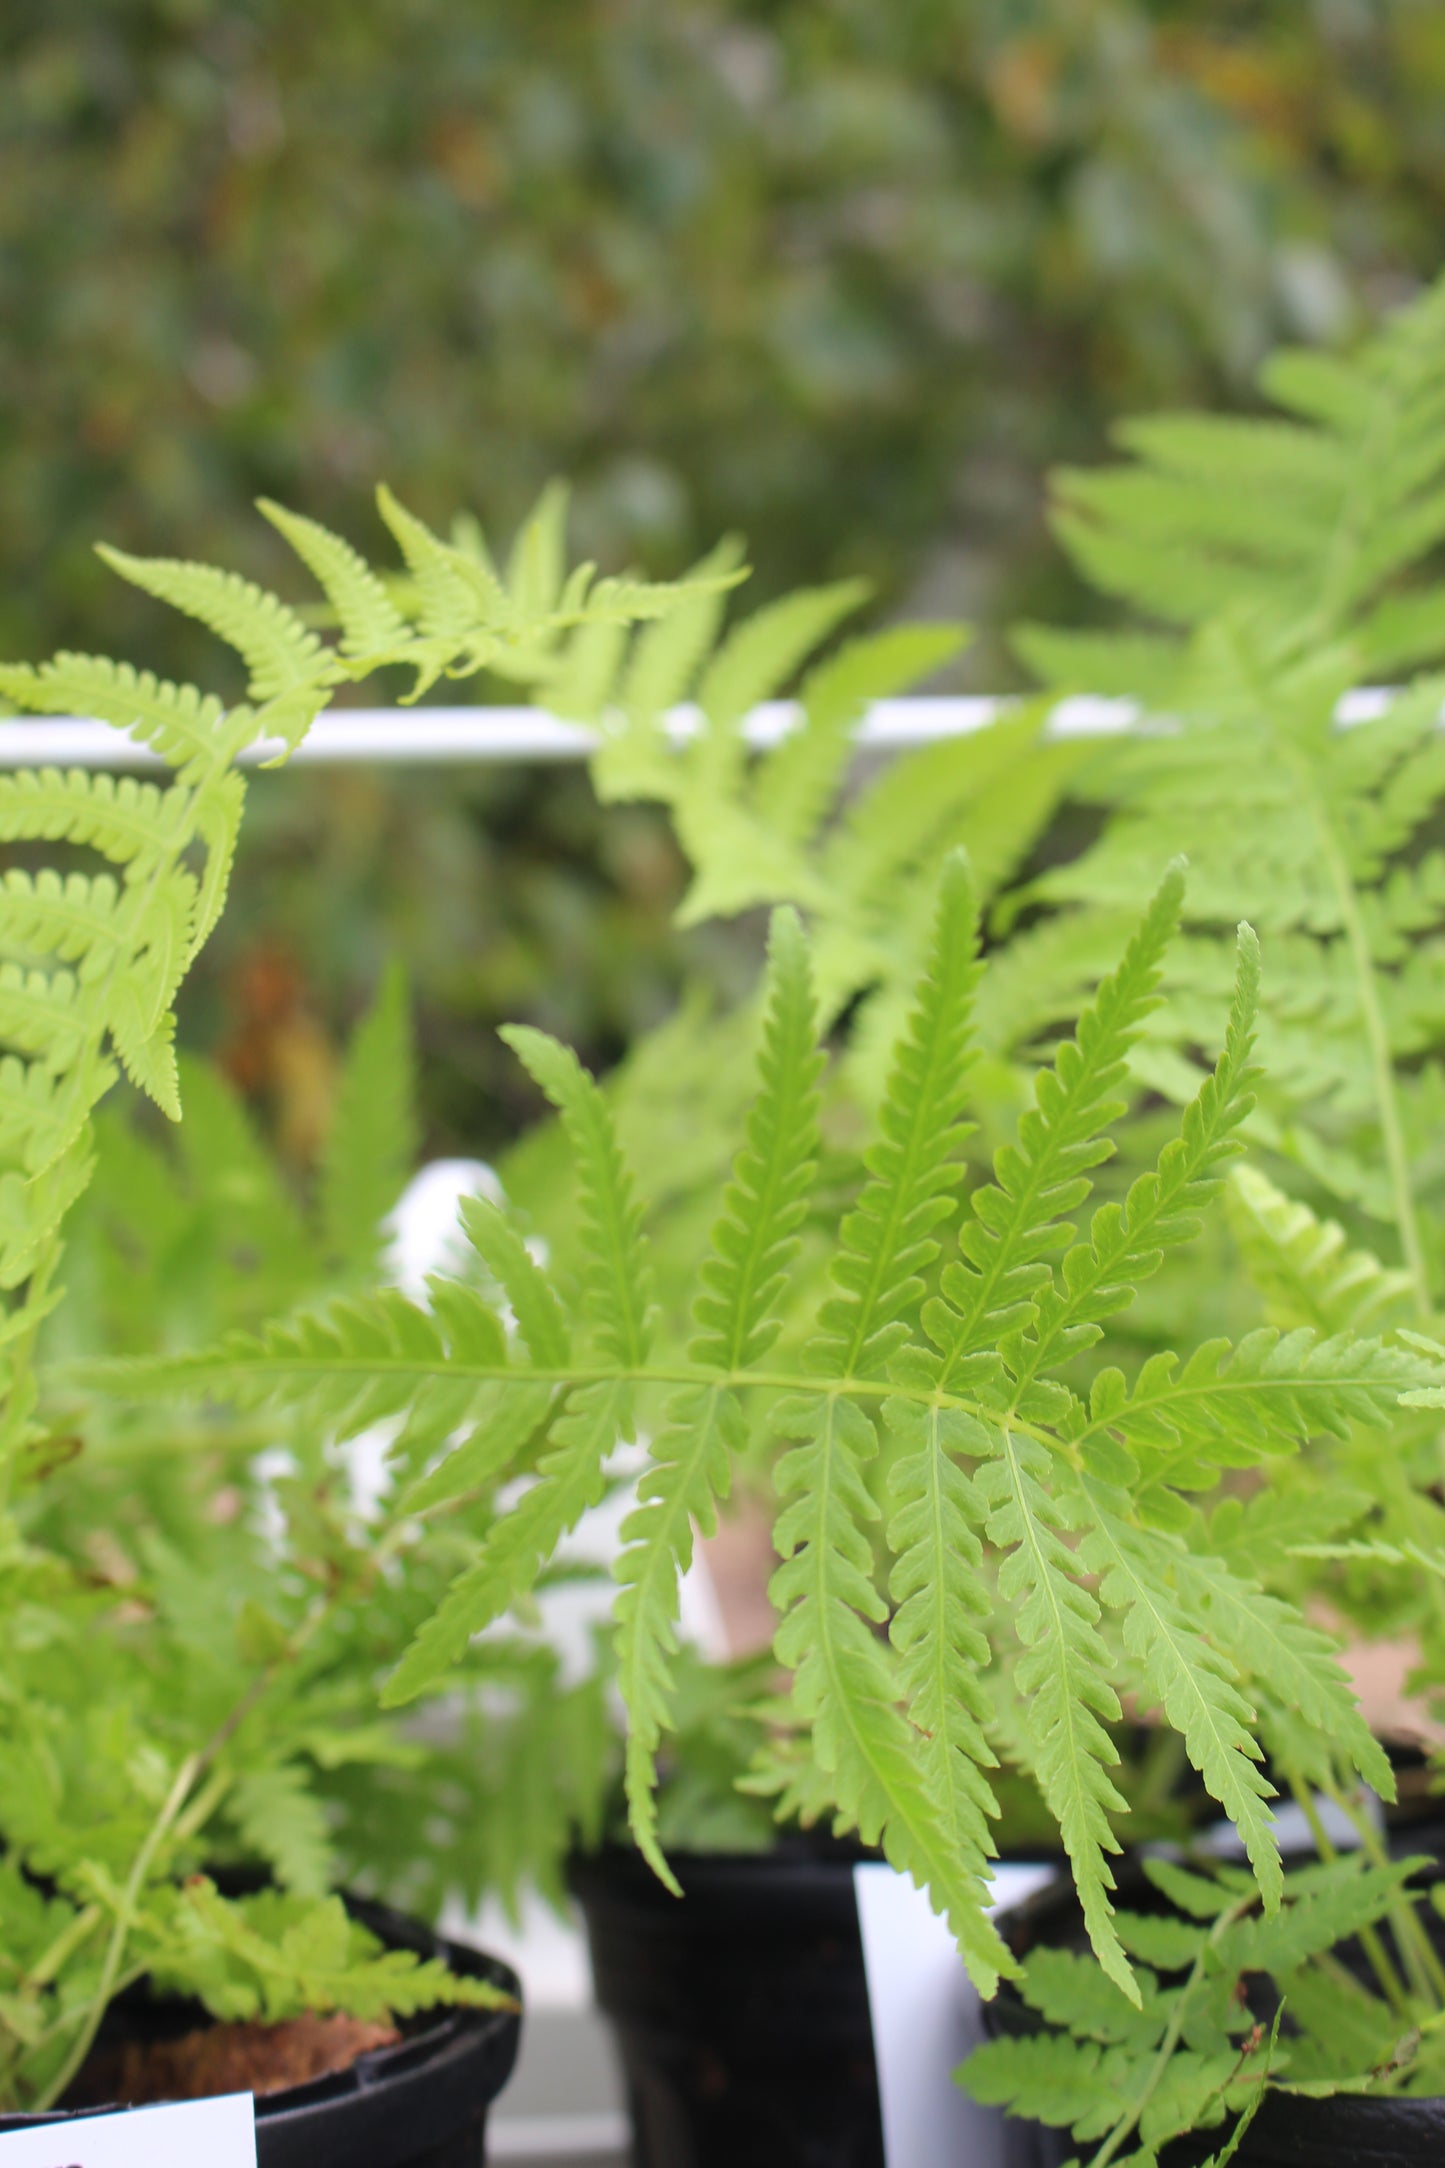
463, 735
435, 736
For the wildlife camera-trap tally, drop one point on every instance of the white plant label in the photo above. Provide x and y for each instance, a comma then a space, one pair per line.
925, 2020
217, 2133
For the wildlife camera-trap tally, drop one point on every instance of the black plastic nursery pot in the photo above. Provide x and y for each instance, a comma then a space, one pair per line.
741, 2012
420, 2103
1288, 2131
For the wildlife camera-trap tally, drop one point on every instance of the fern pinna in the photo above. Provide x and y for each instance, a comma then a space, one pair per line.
1277, 565
958, 1527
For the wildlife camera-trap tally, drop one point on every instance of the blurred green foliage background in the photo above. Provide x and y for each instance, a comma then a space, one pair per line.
845, 274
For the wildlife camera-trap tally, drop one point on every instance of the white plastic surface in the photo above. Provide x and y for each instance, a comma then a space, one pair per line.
926, 2019
221, 2133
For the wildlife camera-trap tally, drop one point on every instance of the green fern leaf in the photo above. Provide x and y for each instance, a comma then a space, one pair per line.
1196, 1683
844, 1688
283, 657
766, 648
134, 824
753, 1245
703, 1435
371, 1145
1303, 1267
1126, 1244
1062, 1676
75, 917
189, 729
346, 1366
1068, 2084
890, 1239
1017, 1221
1294, 1671
372, 627
539, 1315
617, 1278
756, 1236
796, 782
538, 562
1232, 1406
571, 1478
1337, 1900
937, 1628
281, 1821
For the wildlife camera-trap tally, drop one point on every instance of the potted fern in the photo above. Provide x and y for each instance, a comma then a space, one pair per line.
974, 1549
161, 1707
940, 1389
1294, 558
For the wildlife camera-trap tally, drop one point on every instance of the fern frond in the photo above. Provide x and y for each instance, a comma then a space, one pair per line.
1229, 1406
537, 566
890, 1238
458, 594
1328, 1907
1016, 1222
703, 1434
1126, 1244
350, 1364
1068, 2084
371, 1145
667, 656
132, 823
1197, 1684
571, 1477
617, 1278
753, 1245
797, 781
371, 625
1063, 1676
1307, 1701
283, 657
764, 650
1304, 521
1303, 1267
281, 1821
534, 1304
843, 1684
937, 1628
189, 729
74, 917
756, 1235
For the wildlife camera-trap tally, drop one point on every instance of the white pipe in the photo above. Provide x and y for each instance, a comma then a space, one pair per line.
463, 735
460, 736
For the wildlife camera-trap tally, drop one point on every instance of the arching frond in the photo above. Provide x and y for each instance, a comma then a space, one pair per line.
736, 1317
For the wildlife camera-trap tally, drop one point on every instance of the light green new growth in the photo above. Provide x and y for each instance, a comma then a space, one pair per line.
1296, 557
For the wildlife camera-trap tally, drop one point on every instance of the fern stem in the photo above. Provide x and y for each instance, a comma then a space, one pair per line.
21, 1365
1397, 1158
172, 1819
105, 1986
67, 1942
1415, 1945
1391, 1985
1124, 2129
